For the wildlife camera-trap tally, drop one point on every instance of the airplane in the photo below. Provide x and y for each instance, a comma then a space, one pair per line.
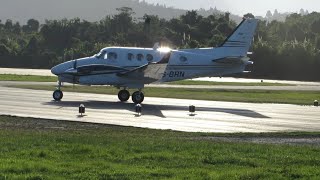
131, 68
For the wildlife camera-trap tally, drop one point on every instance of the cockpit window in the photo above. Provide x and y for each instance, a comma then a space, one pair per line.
140, 57
101, 54
130, 56
112, 56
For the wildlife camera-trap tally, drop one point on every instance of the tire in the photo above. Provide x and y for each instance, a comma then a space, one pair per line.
137, 97
57, 95
123, 95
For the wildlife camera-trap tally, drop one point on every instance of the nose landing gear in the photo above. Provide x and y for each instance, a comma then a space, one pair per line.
57, 94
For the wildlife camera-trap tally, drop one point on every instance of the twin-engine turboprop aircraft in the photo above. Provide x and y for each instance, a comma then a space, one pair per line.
127, 68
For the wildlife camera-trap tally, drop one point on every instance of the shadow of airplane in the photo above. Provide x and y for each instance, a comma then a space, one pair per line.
149, 109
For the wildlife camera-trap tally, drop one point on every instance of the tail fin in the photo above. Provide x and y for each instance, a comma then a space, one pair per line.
241, 38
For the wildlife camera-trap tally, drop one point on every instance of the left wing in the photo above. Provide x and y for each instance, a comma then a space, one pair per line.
149, 72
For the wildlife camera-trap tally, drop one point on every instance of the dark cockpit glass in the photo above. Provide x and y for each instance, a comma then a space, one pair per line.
101, 54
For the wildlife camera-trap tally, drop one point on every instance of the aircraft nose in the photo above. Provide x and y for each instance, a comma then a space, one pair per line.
56, 70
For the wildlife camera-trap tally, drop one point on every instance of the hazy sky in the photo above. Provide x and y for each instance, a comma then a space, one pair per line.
240, 7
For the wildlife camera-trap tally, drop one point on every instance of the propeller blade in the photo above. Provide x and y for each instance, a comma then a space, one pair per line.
75, 64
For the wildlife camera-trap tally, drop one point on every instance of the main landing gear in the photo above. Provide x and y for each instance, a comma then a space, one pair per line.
137, 97
123, 95
57, 94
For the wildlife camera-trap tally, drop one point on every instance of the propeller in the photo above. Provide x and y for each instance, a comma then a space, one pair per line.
75, 64
74, 76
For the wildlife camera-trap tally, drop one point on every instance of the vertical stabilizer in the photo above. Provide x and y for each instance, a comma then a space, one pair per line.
241, 38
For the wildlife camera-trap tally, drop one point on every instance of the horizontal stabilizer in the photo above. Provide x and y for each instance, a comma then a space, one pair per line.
232, 60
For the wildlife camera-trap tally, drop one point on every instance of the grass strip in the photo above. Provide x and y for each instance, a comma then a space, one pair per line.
33, 78
44, 149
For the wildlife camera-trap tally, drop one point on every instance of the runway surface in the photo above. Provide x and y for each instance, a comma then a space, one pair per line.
162, 113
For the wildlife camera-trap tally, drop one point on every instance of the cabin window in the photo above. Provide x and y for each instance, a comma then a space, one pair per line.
183, 59
112, 56
140, 57
130, 56
149, 57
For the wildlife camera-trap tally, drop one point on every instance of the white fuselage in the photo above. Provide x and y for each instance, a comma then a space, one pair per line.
182, 64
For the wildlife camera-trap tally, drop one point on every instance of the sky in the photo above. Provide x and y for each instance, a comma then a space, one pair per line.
241, 7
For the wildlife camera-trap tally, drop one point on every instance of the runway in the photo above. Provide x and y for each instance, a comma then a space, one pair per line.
161, 113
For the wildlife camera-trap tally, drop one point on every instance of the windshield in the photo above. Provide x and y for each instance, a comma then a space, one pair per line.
100, 54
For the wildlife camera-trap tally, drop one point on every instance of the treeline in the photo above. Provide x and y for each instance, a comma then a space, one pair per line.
282, 50
68, 39
288, 50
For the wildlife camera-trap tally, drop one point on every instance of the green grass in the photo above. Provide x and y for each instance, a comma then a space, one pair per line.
254, 96
43, 149
13, 77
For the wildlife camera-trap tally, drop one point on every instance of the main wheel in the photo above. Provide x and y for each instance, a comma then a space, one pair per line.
57, 95
137, 97
123, 95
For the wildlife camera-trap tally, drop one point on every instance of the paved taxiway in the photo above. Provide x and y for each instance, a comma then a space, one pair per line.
160, 113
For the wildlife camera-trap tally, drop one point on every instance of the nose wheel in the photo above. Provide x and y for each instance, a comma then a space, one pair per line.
137, 97
123, 95
57, 95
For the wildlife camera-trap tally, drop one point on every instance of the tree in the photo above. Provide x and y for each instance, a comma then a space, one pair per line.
248, 15
315, 26
4, 50
8, 25
191, 17
194, 44
33, 47
269, 15
16, 28
33, 25
216, 40
224, 28
122, 22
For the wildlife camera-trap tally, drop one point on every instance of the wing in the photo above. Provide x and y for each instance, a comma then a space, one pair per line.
149, 72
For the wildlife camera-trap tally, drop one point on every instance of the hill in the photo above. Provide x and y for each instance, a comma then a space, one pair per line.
94, 10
